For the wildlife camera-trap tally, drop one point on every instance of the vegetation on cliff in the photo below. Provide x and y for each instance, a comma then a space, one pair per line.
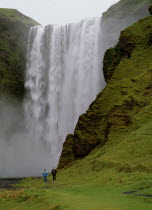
14, 28
119, 118
67, 152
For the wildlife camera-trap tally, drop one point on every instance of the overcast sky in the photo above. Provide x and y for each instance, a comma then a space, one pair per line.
59, 11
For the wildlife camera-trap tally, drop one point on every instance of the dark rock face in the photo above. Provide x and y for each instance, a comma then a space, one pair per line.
14, 29
112, 58
150, 10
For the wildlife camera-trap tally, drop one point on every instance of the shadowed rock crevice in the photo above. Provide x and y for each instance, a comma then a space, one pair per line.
150, 10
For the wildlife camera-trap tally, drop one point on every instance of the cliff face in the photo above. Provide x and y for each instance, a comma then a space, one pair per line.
120, 16
121, 111
14, 29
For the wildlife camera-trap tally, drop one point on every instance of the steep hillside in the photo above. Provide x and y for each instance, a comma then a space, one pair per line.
121, 15
119, 120
14, 28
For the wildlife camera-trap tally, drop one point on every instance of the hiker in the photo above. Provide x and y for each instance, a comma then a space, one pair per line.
54, 172
45, 174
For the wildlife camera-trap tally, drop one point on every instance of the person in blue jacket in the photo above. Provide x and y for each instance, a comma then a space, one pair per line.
45, 174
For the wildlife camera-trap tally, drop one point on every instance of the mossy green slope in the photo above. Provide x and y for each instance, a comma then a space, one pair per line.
15, 16
14, 28
120, 117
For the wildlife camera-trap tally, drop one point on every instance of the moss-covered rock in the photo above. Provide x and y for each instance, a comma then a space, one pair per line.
128, 68
14, 29
123, 50
111, 113
67, 156
112, 58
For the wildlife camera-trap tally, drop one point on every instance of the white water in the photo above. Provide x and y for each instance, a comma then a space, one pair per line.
64, 75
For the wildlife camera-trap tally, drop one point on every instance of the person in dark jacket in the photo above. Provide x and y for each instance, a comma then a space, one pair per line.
54, 172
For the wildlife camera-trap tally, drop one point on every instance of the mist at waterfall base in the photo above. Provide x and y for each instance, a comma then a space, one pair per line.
20, 156
63, 77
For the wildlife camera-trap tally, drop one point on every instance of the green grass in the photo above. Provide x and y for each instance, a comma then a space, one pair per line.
76, 188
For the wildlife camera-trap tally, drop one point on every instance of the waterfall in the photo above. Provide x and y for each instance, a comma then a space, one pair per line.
63, 76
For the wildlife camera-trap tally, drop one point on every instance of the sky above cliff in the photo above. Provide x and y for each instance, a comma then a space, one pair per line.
59, 11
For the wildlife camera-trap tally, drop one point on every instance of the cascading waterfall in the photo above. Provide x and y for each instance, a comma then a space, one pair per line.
63, 77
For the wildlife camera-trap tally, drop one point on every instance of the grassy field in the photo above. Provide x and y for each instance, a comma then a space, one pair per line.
83, 186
